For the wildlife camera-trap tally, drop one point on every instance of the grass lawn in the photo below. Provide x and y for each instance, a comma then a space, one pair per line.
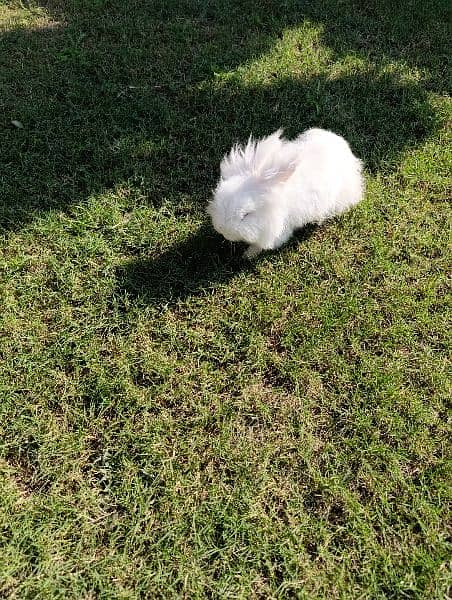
176, 422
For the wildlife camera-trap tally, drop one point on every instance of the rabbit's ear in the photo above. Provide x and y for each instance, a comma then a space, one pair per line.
276, 159
279, 174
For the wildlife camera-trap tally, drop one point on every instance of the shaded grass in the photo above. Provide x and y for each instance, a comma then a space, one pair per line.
176, 423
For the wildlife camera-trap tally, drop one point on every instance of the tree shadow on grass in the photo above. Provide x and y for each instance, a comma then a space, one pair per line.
413, 33
132, 93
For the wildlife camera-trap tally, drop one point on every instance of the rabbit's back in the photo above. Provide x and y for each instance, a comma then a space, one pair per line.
328, 179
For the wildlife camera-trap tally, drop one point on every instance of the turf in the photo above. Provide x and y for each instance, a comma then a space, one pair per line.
175, 422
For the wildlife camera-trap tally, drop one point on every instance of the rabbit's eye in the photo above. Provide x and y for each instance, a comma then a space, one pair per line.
245, 215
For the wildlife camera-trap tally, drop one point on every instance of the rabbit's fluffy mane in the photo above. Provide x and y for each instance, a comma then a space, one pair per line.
264, 159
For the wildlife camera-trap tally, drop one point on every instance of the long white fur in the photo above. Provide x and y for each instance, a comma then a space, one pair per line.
272, 186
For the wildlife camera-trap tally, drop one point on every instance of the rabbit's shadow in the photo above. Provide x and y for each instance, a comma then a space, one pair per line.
193, 267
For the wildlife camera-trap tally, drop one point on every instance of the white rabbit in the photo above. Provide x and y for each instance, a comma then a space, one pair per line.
273, 186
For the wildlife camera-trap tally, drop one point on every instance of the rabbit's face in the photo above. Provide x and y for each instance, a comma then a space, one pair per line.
236, 210
246, 204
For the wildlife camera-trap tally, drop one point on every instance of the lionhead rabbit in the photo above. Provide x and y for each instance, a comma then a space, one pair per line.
272, 186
